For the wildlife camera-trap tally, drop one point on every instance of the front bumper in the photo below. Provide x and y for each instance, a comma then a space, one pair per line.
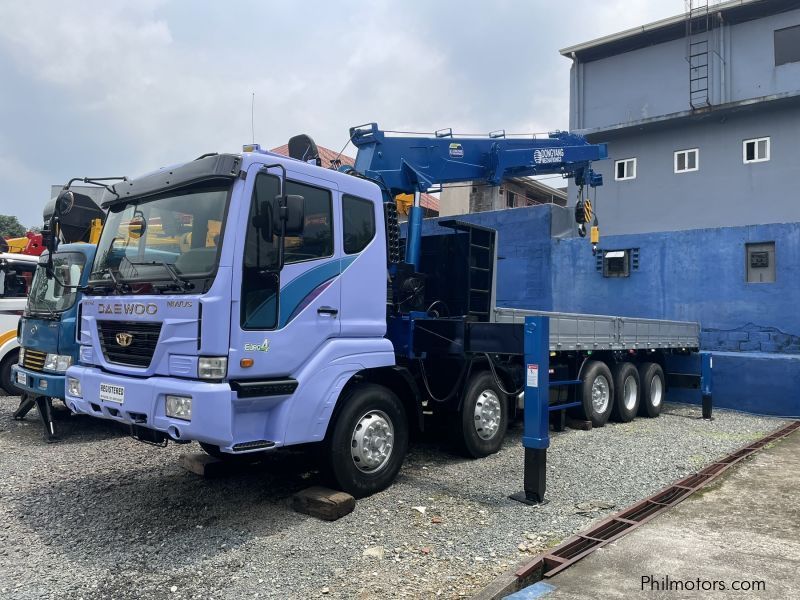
38, 383
219, 417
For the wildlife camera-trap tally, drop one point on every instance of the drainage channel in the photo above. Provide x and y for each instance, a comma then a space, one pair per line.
578, 546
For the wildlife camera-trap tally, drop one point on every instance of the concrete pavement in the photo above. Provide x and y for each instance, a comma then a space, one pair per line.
742, 531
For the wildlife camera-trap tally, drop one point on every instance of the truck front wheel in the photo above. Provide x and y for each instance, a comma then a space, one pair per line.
597, 392
6, 376
368, 441
484, 416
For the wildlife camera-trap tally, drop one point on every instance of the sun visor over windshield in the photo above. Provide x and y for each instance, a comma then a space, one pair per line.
218, 166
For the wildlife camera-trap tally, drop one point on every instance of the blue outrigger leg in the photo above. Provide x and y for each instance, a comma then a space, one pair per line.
536, 436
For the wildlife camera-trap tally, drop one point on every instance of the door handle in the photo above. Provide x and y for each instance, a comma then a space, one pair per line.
327, 310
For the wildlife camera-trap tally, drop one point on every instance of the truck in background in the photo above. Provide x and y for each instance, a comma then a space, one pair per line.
16, 275
302, 322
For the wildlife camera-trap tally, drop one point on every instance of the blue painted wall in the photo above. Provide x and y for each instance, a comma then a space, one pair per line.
696, 275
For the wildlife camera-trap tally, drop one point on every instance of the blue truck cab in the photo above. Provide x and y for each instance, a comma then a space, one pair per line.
48, 344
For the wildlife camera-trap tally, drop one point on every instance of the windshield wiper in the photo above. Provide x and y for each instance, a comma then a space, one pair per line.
117, 285
179, 283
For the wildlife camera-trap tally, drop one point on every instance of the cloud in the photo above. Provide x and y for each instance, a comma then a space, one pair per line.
114, 87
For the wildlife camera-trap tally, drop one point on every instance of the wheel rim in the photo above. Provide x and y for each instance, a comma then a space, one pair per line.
629, 393
488, 413
600, 395
656, 390
372, 441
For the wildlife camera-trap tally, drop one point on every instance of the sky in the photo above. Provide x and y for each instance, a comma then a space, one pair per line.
112, 87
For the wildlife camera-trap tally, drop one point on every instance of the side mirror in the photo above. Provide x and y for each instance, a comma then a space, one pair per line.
263, 221
289, 215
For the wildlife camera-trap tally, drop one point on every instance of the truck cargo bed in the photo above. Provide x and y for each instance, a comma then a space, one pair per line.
570, 331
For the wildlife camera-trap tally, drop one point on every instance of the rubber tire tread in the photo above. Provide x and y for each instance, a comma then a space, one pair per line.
6, 381
621, 372
467, 439
646, 372
592, 369
347, 477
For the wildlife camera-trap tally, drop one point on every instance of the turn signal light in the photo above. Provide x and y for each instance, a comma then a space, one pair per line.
246, 363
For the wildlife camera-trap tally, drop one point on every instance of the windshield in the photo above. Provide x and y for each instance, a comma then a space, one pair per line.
57, 294
168, 242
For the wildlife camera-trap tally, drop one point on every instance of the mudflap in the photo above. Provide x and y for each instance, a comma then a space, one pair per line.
149, 436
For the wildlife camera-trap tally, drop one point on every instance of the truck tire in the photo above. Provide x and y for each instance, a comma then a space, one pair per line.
6, 379
628, 392
367, 442
483, 419
239, 459
597, 392
653, 389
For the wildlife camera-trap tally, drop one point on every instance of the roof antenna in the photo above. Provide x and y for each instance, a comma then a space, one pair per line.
252, 116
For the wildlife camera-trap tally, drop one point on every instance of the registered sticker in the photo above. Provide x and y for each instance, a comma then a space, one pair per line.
532, 379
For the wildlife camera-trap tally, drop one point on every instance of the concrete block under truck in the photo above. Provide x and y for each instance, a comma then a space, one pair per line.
289, 316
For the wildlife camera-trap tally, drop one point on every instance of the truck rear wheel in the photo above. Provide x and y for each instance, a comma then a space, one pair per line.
367, 443
653, 389
6, 379
597, 392
627, 386
483, 417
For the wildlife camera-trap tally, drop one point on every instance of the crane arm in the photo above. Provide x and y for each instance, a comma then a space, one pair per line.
410, 164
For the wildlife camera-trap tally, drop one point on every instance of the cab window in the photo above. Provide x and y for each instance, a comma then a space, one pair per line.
359, 223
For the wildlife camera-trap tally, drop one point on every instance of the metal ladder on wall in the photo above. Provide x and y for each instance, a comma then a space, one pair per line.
698, 25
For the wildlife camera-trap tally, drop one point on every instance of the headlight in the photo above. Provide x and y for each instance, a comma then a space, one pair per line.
212, 367
179, 407
74, 387
57, 362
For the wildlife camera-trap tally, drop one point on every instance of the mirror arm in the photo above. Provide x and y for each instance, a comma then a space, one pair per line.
282, 215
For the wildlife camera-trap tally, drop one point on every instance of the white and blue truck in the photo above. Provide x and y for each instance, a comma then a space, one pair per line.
288, 313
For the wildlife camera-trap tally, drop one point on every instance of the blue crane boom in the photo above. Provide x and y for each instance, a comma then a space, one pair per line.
412, 163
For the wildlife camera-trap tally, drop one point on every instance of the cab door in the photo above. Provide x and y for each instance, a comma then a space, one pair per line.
284, 318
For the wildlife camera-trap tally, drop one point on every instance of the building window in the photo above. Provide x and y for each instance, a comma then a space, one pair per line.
625, 169
787, 45
510, 199
756, 150
687, 160
760, 265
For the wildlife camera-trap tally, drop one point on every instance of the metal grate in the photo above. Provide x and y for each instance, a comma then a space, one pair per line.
33, 359
575, 548
139, 353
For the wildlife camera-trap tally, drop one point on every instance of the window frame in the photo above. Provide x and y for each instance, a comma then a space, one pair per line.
631, 160
755, 153
686, 152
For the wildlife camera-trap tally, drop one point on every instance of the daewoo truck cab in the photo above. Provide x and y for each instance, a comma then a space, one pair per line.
262, 301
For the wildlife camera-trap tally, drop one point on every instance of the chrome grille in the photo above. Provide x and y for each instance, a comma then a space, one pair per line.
144, 338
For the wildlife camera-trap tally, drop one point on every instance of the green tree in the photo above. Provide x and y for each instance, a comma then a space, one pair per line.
10, 227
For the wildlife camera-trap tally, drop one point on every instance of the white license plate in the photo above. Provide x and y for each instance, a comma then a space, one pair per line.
22, 378
112, 393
